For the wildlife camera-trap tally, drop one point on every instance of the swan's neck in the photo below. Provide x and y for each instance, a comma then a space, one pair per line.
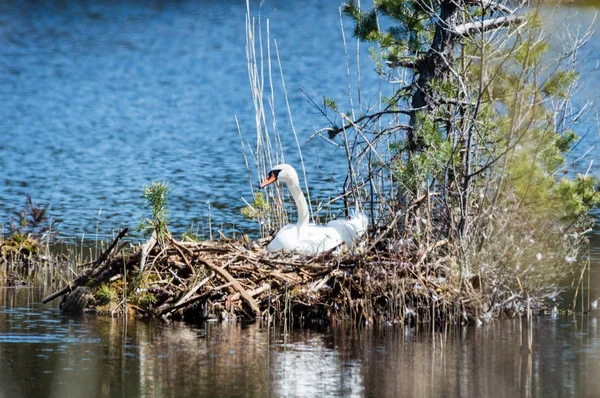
300, 201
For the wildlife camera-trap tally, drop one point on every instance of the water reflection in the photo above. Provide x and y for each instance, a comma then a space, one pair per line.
44, 353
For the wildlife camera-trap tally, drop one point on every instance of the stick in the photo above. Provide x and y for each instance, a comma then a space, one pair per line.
146, 249
84, 278
235, 284
183, 256
252, 293
193, 290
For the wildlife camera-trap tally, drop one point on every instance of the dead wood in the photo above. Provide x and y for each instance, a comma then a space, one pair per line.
196, 280
91, 273
236, 285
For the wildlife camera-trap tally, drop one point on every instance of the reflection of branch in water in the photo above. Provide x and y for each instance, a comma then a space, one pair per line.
9, 387
76, 371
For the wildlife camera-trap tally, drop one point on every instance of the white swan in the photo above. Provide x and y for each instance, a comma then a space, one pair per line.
310, 238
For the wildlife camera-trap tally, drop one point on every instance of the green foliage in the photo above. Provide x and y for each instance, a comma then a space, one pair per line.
413, 25
190, 235
143, 298
366, 22
330, 103
560, 83
578, 195
19, 245
565, 141
530, 54
105, 294
414, 174
138, 292
447, 88
156, 195
258, 209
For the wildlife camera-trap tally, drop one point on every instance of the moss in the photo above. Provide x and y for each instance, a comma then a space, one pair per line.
144, 299
105, 294
20, 244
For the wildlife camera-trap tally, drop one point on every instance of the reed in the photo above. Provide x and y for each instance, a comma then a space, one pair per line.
27, 255
268, 150
269, 208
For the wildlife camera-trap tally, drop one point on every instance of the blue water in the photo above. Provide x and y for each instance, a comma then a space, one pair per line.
99, 98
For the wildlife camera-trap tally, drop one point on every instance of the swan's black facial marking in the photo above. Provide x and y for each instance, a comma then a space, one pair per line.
271, 178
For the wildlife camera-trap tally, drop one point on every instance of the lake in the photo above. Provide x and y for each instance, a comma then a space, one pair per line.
46, 354
99, 98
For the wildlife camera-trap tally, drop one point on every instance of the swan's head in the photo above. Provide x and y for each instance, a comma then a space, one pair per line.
281, 172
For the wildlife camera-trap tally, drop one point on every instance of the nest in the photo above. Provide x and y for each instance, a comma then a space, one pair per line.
232, 279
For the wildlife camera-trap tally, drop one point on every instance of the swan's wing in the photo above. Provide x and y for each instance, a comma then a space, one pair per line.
351, 229
313, 239
316, 239
286, 238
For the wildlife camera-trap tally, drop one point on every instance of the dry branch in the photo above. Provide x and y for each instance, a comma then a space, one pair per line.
90, 274
470, 28
236, 285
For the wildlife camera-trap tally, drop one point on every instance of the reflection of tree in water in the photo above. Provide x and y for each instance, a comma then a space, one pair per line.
181, 360
43, 353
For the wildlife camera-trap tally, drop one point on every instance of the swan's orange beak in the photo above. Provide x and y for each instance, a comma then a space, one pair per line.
271, 178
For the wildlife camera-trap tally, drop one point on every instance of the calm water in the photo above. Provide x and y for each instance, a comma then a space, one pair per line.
45, 354
99, 98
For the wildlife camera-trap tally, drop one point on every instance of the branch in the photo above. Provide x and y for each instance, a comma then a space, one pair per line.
468, 29
89, 274
454, 101
235, 284
336, 130
490, 4
402, 63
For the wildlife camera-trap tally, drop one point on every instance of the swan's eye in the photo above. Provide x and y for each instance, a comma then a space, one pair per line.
271, 178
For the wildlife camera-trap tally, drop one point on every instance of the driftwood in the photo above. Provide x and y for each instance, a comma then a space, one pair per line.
236, 285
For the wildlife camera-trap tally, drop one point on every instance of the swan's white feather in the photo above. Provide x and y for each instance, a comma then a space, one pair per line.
306, 238
352, 229
310, 239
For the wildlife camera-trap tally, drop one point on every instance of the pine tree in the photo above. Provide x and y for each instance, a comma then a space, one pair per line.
474, 138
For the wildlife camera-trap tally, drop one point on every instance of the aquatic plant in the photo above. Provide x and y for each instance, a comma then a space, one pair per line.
105, 295
25, 255
20, 245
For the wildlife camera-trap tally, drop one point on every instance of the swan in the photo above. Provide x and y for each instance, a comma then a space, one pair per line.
308, 238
